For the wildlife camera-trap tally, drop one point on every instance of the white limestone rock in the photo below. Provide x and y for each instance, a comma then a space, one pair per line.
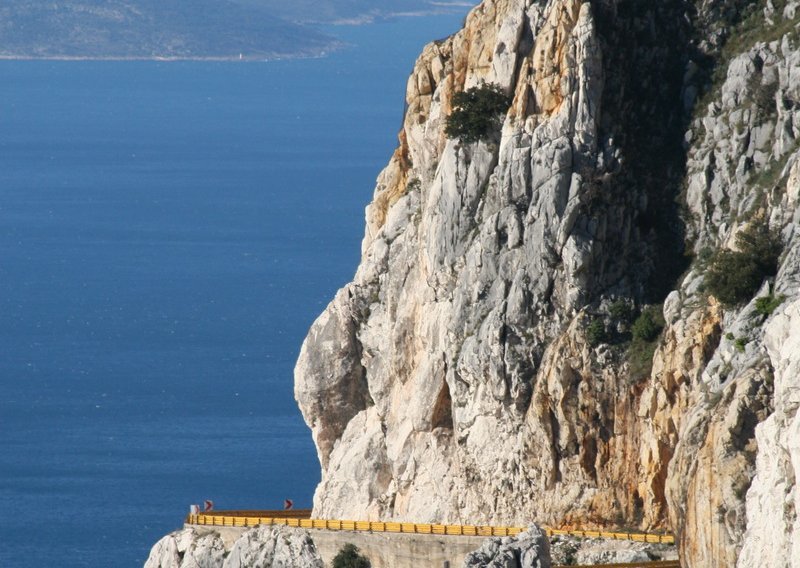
590, 551
739, 168
259, 547
605, 554
276, 547
530, 549
773, 501
188, 548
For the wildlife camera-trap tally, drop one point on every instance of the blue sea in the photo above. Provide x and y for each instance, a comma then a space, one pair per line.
168, 233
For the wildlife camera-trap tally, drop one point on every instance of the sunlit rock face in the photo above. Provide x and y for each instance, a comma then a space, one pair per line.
265, 547
530, 549
455, 380
773, 527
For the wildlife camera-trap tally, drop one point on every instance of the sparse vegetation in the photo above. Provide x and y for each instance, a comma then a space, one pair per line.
734, 276
477, 113
621, 311
645, 331
640, 358
739, 343
648, 325
747, 26
753, 28
764, 98
414, 184
350, 557
762, 94
765, 305
596, 332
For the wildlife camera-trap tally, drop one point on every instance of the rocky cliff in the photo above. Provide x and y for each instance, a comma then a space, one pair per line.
486, 364
530, 549
262, 547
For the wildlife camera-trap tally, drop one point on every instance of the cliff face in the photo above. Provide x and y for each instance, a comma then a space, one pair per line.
460, 376
742, 166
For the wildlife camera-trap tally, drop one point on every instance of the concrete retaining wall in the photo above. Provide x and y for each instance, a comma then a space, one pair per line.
384, 550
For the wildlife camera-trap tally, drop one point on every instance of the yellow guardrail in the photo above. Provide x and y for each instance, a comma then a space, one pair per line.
222, 519
650, 564
634, 536
301, 519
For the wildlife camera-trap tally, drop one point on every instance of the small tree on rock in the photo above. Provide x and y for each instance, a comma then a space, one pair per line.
734, 276
648, 325
596, 332
350, 557
477, 113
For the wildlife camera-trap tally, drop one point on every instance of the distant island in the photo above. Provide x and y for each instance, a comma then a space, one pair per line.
176, 29
355, 11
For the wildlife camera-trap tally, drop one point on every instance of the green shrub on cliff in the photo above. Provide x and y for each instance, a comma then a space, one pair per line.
645, 333
621, 311
596, 332
768, 304
648, 325
477, 113
734, 276
350, 557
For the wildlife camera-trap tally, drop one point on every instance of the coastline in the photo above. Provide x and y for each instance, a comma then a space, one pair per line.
214, 58
440, 9
220, 139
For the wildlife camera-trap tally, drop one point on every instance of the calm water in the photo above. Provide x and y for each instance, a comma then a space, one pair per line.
168, 232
